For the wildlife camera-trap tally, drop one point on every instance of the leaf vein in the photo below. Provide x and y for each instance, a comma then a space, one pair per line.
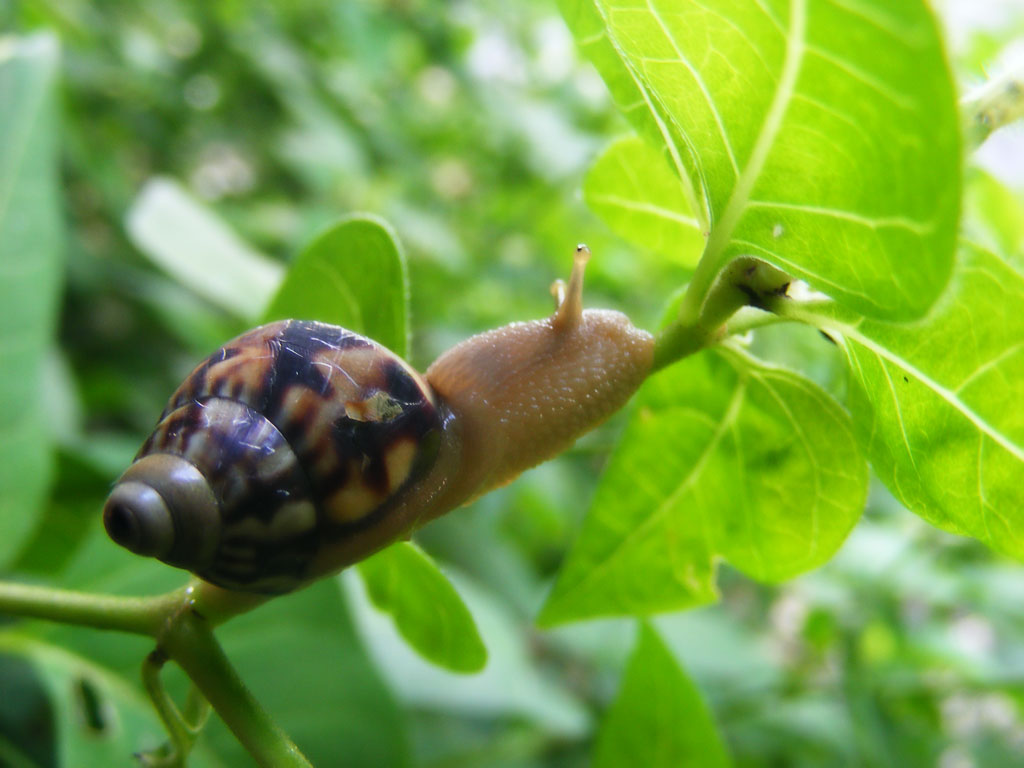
872, 222
950, 397
728, 418
642, 207
695, 74
985, 367
795, 46
659, 121
872, 82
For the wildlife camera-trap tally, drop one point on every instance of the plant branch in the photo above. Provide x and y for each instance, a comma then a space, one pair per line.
744, 282
138, 615
998, 102
183, 734
749, 319
182, 624
189, 641
811, 313
700, 284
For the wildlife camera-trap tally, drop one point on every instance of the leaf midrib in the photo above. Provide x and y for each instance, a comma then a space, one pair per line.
946, 394
721, 234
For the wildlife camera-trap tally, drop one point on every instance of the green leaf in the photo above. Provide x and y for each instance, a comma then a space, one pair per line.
299, 655
658, 719
352, 275
724, 456
30, 244
428, 612
79, 490
937, 403
193, 245
997, 214
822, 137
510, 688
633, 189
304, 663
101, 717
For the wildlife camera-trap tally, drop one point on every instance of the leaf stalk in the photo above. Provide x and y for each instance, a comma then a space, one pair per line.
743, 282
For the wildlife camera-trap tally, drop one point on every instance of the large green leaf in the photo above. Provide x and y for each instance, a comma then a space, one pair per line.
658, 719
724, 456
634, 190
191, 243
303, 661
101, 717
79, 490
352, 275
938, 403
428, 612
30, 227
821, 136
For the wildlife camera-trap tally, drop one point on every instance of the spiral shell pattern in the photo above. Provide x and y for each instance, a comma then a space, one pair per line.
306, 433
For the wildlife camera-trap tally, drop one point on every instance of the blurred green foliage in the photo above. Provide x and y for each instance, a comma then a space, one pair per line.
469, 127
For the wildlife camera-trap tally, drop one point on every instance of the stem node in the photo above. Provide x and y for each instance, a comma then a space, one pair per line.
701, 321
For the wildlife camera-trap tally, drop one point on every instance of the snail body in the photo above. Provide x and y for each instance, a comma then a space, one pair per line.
299, 448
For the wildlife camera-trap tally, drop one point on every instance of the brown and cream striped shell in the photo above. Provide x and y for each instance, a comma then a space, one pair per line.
278, 449
300, 448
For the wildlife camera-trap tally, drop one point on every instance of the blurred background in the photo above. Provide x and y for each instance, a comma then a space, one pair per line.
469, 126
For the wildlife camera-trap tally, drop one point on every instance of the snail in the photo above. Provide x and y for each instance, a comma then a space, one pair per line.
300, 448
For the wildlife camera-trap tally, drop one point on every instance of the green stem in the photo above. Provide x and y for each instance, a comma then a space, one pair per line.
700, 284
217, 605
139, 615
183, 727
678, 341
750, 319
189, 641
182, 622
744, 281
807, 312
197, 709
997, 103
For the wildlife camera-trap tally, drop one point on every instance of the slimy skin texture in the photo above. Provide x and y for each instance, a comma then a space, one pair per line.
300, 448
524, 393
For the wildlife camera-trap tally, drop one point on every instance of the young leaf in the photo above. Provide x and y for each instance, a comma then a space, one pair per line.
822, 137
188, 241
724, 456
633, 189
428, 612
30, 227
658, 719
937, 403
352, 275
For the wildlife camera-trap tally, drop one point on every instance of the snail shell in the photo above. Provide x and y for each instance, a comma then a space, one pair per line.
300, 448
282, 447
